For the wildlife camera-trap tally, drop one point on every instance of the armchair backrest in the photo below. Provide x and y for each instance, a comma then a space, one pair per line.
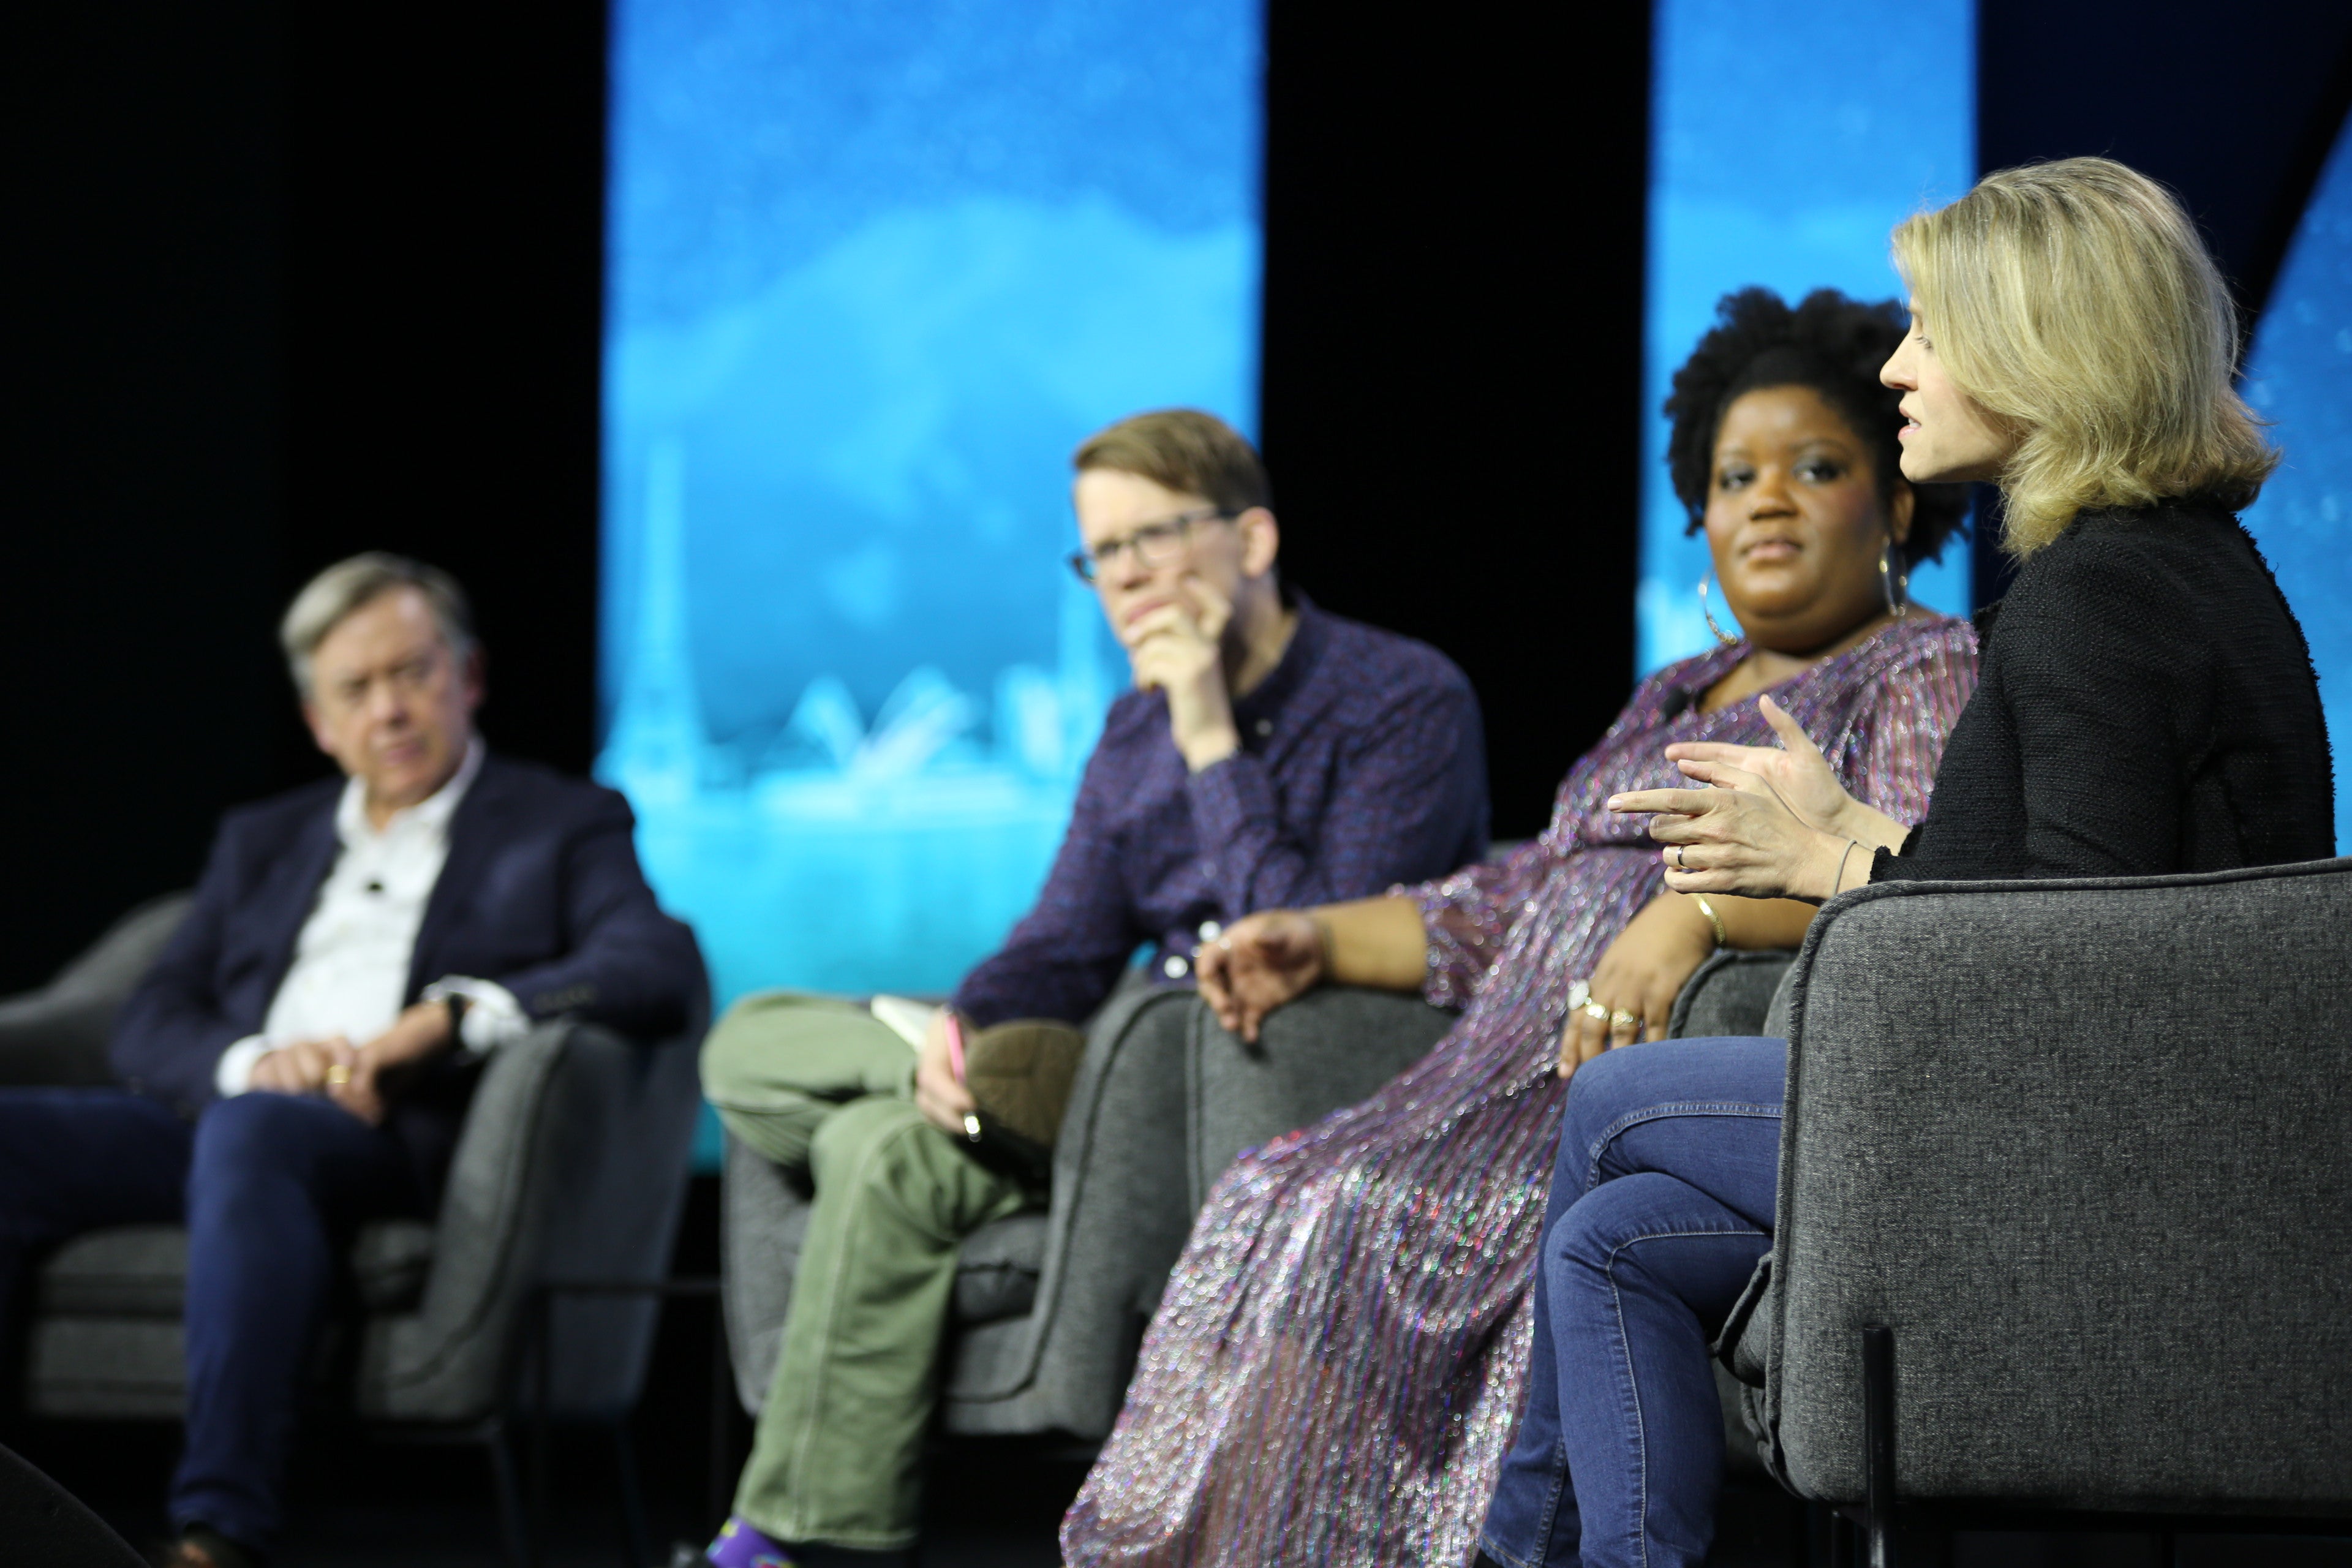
2086, 1148
58, 1035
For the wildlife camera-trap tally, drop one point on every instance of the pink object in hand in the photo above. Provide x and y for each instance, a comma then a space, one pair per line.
955, 1044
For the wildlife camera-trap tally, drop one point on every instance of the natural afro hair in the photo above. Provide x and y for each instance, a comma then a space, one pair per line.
1834, 346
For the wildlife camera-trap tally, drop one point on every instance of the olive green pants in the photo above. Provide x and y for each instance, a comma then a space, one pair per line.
817, 1084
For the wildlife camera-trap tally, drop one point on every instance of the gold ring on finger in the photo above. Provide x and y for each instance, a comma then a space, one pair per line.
1624, 1020
339, 1074
1597, 1012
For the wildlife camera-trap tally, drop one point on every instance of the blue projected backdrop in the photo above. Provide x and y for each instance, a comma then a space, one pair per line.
1789, 138
875, 270
2300, 378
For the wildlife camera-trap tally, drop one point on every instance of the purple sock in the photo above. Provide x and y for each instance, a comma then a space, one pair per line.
740, 1546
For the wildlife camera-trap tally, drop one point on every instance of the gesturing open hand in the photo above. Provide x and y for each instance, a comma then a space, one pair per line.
1773, 824
1795, 770
1737, 838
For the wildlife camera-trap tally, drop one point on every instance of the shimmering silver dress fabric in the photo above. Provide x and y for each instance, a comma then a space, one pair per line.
1336, 1367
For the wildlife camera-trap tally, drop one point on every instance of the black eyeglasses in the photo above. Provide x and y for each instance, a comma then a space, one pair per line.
1156, 544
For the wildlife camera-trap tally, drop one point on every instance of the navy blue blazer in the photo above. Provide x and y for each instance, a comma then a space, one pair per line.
541, 892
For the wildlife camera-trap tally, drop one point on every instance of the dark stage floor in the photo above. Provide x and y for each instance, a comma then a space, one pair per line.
366, 1504
359, 1502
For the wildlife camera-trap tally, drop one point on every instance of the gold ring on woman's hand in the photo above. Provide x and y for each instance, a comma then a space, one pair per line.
1624, 1020
339, 1074
1595, 1011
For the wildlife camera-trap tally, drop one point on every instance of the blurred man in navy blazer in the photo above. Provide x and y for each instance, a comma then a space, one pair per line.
301, 1057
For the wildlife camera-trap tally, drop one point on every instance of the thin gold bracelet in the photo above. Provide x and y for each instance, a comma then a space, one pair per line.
1712, 919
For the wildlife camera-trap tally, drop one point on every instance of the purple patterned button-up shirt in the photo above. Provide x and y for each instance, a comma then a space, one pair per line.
1362, 765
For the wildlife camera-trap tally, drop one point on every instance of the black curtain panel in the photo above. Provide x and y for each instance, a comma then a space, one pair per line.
1453, 365
286, 283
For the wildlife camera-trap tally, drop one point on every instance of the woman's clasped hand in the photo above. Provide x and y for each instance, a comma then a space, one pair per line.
1632, 992
1771, 823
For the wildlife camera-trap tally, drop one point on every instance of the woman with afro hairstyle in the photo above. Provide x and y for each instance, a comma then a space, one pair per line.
1333, 1371
2148, 707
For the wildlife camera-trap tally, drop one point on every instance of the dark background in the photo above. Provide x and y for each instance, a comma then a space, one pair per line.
285, 283
1452, 356
289, 282
2233, 106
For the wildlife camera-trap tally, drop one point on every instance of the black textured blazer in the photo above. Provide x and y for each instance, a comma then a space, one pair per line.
2146, 704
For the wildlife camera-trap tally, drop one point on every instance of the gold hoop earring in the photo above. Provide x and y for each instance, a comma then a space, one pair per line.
1895, 585
1725, 637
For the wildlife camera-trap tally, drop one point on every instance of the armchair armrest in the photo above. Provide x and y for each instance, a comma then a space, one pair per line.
2081, 1145
1164, 1100
1735, 992
573, 1164
1331, 1048
763, 1218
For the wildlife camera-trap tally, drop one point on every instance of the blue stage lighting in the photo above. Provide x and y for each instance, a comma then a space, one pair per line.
1788, 137
2299, 377
875, 269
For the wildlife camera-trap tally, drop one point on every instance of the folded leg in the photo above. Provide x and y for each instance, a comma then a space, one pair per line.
1661, 1204
780, 1062
836, 1454
1639, 1270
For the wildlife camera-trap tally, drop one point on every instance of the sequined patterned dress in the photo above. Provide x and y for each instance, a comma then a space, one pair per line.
1335, 1369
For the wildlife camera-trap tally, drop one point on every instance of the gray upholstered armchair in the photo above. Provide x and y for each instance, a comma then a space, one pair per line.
573, 1164
1050, 1307
2066, 1206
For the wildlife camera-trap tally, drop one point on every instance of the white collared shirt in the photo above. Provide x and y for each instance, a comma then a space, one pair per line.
351, 961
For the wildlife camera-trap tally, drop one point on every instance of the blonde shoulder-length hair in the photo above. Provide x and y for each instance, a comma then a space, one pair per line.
2074, 300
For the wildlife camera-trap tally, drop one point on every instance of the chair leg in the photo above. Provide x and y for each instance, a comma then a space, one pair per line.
1878, 1446
513, 1520
720, 1479
1841, 1535
542, 1320
633, 1553
1821, 1535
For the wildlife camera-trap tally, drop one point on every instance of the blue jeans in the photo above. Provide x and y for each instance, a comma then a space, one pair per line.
269, 1186
1661, 1204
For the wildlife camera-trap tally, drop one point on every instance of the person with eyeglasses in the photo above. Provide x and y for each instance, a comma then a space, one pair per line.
1270, 755
1344, 1329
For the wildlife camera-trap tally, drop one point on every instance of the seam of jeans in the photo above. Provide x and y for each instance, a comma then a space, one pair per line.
1508, 1558
1560, 1478
1627, 1123
1624, 1342
1549, 1516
